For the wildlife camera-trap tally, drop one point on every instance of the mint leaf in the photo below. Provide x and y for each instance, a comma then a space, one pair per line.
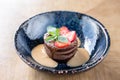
57, 32
50, 38
62, 39
51, 29
52, 33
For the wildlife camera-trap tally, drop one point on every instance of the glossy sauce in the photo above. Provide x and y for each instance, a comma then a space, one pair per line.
79, 58
39, 54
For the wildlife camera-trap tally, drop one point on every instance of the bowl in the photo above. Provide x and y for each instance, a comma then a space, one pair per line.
93, 35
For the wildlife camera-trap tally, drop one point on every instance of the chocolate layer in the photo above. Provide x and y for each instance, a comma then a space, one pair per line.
61, 54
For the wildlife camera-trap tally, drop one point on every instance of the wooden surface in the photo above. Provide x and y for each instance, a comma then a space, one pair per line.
14, 12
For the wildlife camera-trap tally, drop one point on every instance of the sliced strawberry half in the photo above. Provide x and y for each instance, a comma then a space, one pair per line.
71, 36
64, 30
61, 44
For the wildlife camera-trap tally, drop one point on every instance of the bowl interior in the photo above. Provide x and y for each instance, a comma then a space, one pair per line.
94, 37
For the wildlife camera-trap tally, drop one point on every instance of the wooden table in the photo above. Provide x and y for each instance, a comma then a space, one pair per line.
14, 12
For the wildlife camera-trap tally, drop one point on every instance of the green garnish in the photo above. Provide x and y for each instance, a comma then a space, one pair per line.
50, 38
54, 34
51, 29
62, 39
57, 32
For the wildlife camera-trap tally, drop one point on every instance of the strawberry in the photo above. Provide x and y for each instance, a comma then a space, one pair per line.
63, 30
61, 44
71, 36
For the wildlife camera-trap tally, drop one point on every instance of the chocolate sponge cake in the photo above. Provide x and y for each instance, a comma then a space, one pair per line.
60, 47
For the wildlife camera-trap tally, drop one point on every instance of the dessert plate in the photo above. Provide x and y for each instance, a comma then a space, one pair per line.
93, 35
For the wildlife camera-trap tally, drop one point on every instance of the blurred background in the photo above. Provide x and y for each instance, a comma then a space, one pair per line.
14, 12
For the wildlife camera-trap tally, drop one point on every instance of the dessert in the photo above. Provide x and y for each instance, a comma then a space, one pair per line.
60, 43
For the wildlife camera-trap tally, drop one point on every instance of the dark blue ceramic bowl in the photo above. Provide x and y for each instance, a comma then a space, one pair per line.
93, 35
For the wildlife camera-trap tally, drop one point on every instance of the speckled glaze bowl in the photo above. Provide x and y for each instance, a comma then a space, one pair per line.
93, 35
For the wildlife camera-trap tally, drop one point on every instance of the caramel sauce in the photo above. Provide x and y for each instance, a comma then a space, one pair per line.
39, 55
79, 58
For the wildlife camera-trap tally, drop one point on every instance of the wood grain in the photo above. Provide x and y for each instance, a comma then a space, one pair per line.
14, 12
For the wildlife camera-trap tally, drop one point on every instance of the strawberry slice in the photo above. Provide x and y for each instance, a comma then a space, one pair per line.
61, 44
63, 30
71, 36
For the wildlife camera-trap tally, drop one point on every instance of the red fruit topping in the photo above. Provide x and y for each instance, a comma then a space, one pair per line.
61, 44
71, 36
63, 30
